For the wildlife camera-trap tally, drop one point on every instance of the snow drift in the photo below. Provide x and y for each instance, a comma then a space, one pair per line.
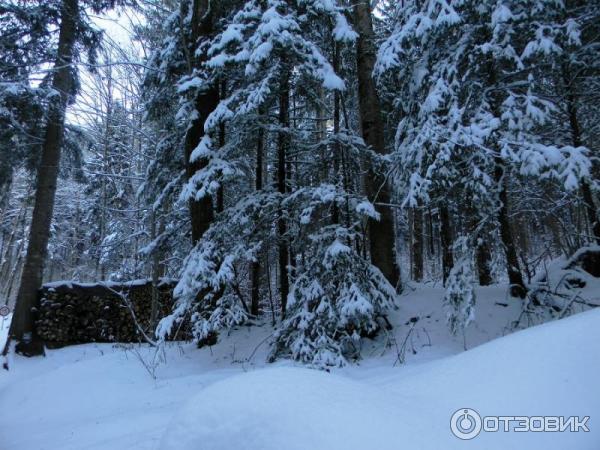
547, 370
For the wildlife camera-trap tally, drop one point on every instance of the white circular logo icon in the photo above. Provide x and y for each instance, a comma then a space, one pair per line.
4, 310
465, 423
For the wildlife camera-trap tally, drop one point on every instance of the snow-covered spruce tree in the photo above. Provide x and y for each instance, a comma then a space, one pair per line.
271, 46
181, 72
241, 55
209, 290
565, 56
260, 48
270, 58
337, 296
470, 108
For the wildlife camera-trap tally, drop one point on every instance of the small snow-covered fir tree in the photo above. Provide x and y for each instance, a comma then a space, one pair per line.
337, 297
209, 288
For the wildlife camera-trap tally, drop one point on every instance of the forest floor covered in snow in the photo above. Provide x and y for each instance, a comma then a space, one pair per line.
401, 395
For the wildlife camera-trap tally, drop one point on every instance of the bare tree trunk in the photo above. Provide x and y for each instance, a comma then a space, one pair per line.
446, 242
23, 324
513, 268
417, 244
222, 137
381, 233
201, 211
338, 169
483, 260
321, 131
483, 256
255, 269
430, 234
157, 269
282, 148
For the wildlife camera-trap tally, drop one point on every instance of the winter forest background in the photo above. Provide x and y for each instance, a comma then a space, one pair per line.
298, 162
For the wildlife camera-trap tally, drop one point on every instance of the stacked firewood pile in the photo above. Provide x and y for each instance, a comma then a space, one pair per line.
72, 313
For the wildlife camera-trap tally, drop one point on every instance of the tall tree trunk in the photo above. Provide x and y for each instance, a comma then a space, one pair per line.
483, 260
336, 150
446, 242
417, 244
201, 211
513, 268
430, 234
222, 138
157, 267
381, 233
282, 148
483, 256
23, 327
255, 268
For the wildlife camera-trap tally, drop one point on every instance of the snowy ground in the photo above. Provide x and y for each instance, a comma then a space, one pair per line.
103, 396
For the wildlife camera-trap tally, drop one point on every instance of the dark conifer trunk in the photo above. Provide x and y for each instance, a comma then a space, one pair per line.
417, 244
222, 139
23, 323
513, 268
282, 149
255, 267
381, 233
586, 191
483, 260
201, 211
483, 256
446, 242
335, 214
